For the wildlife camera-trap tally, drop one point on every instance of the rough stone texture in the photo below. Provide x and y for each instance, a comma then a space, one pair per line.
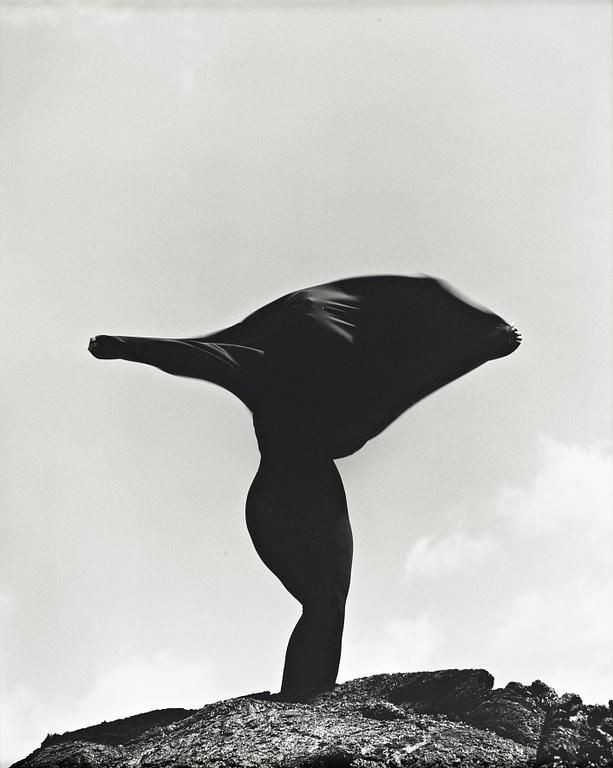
576, 734
121, 731
423, 719
517, 711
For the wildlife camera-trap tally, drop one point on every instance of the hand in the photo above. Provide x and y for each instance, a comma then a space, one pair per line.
503, 340
106, 347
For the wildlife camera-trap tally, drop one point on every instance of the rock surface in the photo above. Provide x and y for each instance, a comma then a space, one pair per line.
423, 719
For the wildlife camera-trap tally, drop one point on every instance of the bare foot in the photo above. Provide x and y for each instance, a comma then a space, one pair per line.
503, 340
301, 695
106, 347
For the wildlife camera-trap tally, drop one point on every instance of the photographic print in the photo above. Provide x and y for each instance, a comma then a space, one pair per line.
308, 350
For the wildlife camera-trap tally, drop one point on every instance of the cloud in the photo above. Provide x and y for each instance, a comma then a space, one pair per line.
136, 684
431, 558
529, 596
401, 645
572, 488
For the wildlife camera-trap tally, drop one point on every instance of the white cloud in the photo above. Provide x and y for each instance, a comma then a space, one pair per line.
137, 684
529, 597
402, 645
573, 484
432, 558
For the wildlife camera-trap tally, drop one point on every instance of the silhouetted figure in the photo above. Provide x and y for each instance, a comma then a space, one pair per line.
323, 370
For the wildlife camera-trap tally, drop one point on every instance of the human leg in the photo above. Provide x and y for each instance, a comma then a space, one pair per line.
314, 649
297, 519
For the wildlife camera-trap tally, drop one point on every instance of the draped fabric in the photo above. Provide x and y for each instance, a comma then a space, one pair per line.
323, 370
330, 366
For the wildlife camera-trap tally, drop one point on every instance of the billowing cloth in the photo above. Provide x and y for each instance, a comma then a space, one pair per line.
323, 370
332, 365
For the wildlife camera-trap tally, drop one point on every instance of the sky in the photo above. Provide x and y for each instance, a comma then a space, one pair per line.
166, 171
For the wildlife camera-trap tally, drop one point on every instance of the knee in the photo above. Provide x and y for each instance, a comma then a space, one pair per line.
326, 608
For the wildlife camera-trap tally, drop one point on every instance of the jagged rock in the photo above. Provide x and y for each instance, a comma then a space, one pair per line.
576, 734
542, 692
517, 712
451, 692
120, 731
383, 710
423, 719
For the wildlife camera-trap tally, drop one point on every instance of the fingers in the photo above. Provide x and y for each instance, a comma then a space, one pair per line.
93, 346
515, 336
105, 347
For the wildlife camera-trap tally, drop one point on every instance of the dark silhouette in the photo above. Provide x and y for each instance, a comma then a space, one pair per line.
323, 370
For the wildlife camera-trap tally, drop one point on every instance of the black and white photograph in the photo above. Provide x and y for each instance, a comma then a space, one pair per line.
307, 415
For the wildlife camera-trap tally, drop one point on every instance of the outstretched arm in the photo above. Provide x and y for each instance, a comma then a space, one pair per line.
222, 364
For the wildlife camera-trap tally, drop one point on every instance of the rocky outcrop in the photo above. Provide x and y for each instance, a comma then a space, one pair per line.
517, 711
576, 734
120, 731
423, 719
